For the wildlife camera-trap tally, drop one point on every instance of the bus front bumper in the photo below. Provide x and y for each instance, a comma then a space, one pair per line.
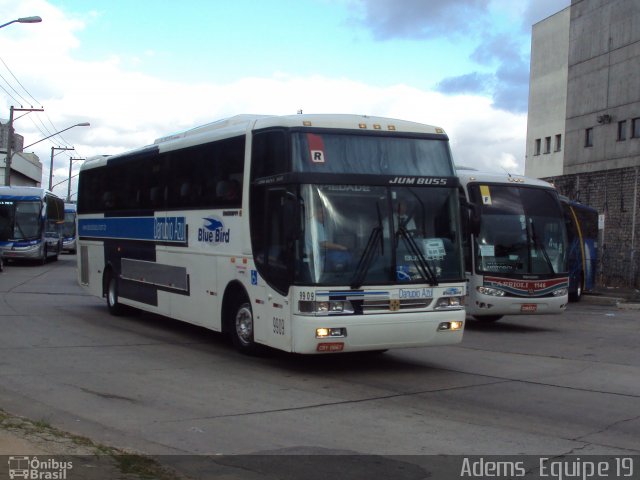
349, 333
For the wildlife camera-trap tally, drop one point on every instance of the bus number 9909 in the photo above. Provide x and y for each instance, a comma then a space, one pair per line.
308, 296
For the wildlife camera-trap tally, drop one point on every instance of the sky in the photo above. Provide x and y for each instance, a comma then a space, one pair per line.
140, 70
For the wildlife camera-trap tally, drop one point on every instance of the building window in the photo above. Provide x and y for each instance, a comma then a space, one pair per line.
622, 130
588, 137
558, 145
547, 145
635, 128
537, 149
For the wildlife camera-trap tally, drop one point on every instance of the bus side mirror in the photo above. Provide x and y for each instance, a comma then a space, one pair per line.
474, 219
470, 216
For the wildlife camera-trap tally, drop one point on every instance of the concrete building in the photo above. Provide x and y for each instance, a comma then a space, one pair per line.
548, 96
600, 159
26, 168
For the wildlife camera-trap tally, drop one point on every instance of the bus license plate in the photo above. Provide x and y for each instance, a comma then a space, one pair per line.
529, 308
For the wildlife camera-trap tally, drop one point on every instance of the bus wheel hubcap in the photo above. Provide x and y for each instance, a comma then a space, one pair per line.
244, 325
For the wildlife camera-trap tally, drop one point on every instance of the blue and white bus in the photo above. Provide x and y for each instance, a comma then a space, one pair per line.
282, 231
69, 228
582, 230
516, 250
30, 223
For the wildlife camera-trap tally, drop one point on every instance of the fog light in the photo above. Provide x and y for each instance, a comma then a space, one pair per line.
331, 332
453, 326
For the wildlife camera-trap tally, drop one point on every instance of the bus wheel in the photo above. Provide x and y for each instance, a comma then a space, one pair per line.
115, 308
577, 295
488, 318
242, 328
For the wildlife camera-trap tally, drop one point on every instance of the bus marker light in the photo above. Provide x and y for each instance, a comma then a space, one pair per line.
330, 347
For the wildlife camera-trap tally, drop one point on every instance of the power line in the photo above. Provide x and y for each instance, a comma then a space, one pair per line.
19, 83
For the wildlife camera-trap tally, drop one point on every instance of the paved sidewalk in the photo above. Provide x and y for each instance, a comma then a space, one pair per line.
624, 298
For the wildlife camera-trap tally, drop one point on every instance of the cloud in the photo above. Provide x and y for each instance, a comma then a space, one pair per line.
419, 19
129, 109
479, 83
503, 55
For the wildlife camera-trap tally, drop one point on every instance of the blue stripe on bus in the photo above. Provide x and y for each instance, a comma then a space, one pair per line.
20, 198
153, 229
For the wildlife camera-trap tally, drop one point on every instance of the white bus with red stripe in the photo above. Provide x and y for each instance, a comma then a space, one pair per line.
516, 250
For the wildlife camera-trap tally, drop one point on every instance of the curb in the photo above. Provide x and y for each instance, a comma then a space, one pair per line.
602, 300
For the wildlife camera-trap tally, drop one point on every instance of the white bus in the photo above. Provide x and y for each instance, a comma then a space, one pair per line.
516, 251
30, 223
283, 231
69, 228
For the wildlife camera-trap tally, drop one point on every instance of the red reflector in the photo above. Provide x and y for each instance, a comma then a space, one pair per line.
331, 347
529, 307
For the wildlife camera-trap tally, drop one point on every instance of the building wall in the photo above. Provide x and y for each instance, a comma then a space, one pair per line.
615, 193
603, 87
26, 168
547, 96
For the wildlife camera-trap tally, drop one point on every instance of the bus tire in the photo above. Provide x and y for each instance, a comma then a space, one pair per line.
488, 318
577, 295
114, 306
241, 327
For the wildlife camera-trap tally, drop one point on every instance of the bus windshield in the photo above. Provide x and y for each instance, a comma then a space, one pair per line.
368, 235
69, 227
522, 230
19, 220
365, 154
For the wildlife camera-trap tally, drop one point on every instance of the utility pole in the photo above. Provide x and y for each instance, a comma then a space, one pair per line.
7, 175
71, 160
51, 168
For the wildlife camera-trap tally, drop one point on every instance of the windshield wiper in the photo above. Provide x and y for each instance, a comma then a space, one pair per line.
421, 263
540, 246
367, 255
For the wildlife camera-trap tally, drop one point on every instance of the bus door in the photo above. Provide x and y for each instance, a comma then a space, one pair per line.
272, 311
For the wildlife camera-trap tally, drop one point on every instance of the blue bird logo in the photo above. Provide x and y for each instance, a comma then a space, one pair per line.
213, 224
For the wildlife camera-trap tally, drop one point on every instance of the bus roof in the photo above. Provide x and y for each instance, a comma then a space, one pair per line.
24, 192
468, 175
240, 124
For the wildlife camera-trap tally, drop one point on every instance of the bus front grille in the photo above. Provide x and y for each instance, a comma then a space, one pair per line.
394, 305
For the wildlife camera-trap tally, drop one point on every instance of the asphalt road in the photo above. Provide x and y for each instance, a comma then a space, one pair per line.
526, 385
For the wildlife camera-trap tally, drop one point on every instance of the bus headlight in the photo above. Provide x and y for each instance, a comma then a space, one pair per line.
449, 303
496, 292
331, 307
560, 292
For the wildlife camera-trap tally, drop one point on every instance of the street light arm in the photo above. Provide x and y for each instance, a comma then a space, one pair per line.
35, 19
84, 124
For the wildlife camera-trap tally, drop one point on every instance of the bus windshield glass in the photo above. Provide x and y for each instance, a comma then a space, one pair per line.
69, 227
367, 154
19, 220
522, 230
366, 235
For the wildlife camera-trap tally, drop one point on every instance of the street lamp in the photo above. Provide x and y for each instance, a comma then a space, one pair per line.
83, 124
23, 20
